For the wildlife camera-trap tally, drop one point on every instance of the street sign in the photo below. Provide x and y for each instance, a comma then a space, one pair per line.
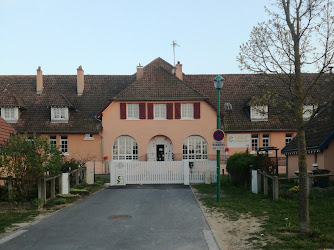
218, 135
218, 145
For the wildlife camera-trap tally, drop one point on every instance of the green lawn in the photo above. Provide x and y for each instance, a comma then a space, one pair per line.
280, 218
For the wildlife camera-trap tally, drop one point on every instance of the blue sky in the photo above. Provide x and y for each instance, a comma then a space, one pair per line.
112, 37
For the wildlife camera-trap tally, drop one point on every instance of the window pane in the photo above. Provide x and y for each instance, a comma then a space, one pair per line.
195, 147
125, 148
133, 111
64, 144
187, 110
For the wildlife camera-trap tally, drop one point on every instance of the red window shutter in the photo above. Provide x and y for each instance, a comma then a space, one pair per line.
142, 111
123, 110
149, 110
177, 110
197, 110
169, 110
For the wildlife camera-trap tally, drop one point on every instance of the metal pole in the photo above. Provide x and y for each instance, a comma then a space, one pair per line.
218, 151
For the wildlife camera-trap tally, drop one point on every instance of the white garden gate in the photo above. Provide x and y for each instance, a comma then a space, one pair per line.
158, 172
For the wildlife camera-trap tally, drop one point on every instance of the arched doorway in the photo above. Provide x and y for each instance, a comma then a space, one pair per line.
160, 148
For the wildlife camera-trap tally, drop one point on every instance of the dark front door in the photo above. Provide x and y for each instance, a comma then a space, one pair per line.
160, 152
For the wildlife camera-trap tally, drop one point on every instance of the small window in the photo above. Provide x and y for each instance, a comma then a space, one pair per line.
59, 114
308, 111
53, 140
133, 111
288, 138
89, 137
31, 139
266, 140
187, 111
64, 144
255, 143
160, 111
10, 114
259, 113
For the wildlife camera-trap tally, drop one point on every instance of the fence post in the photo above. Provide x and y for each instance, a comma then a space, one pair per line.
186, 172
53, 188
259, 181
10, 186
41, 188
275, 188
265, 184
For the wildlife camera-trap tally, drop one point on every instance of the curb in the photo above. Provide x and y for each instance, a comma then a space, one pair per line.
207, 222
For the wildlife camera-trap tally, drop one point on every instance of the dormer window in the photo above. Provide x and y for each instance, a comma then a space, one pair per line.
308, 111
59, 114
10, 114
259, 113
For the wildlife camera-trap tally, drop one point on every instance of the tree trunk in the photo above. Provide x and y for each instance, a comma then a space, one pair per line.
304, 216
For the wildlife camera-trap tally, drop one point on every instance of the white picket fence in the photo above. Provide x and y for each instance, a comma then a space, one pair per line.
168, 172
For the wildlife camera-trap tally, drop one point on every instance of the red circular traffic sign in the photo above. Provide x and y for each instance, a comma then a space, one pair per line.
218, 135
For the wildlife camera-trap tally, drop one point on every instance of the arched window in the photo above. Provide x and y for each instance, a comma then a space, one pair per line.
195, 148
125, 148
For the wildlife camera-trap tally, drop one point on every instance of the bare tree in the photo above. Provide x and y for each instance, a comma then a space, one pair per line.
298, 38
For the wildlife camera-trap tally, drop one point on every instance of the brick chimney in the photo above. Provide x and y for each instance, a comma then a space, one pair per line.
178, 71
39, 81
140, 71
80, 80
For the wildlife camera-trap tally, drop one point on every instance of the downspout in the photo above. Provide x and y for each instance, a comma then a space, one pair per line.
101, 146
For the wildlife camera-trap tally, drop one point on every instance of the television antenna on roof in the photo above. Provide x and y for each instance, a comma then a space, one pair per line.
174, 44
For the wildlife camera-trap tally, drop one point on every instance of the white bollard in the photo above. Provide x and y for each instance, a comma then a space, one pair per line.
207, 177
65, 182
254, 182
90, 176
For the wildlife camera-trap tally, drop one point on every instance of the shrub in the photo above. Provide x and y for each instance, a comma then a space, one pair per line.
59, 201
3, 193
37, 203
238, 166
67, 195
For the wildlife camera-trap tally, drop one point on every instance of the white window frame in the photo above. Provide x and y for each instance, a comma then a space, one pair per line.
255, 143
132, 111
89, 137
160, 111
14, 114
259, 113
187, 111
308, 111
59, 114
288, 138
64, 144
53, 140
266, 140
125, 148
195, 147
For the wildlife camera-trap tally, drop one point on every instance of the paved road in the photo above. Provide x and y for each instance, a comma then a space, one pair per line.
146, 217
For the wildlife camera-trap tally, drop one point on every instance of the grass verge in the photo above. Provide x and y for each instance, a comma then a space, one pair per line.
9, 218
280, 218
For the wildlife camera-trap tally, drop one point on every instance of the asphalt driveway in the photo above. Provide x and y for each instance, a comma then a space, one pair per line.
135, 217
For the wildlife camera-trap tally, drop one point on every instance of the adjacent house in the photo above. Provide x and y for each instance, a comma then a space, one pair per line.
5, 131
319, 144
157, 114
